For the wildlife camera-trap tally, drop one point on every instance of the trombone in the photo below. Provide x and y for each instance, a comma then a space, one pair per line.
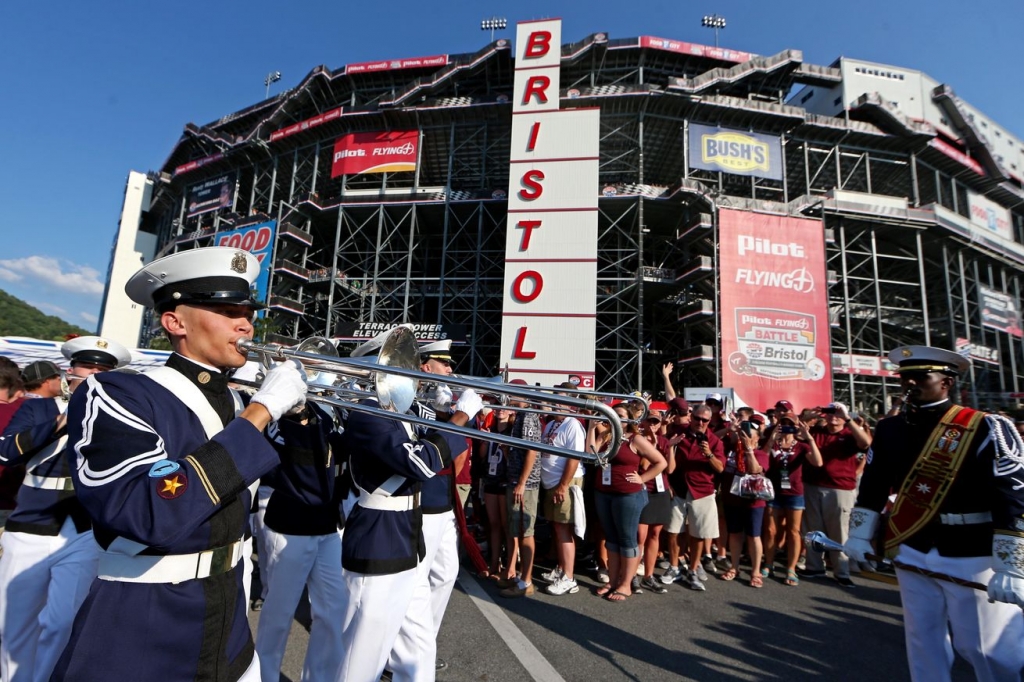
394, 381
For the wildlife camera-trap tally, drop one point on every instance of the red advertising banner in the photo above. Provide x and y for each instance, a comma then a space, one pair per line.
394, 64
380, 152
694, 49
774, 307
313, 122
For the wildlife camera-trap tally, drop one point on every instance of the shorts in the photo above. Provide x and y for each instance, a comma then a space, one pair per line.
493, 488
787, 502
702, 516
658, 511
746, 520
562, 512
521, 520
677, 516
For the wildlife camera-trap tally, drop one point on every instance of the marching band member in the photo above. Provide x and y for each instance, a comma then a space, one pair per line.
49, 557
959, 512
440, 565
301, 545
163, 462
384, 546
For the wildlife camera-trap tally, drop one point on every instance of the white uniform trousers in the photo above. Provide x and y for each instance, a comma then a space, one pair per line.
43, 581
294, 562
256, 526
438, 571
989, 636
375, 608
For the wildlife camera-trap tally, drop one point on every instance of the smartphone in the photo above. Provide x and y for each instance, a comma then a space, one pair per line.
787, 428
748, 427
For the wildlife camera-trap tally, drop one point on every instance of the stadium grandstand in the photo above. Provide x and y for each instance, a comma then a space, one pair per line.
917, 194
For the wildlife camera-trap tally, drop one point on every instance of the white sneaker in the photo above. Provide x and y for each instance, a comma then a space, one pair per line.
695, 583
563, 586
553, 575
700, 573
670, 576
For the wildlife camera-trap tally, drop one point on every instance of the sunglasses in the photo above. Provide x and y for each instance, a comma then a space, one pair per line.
703, 420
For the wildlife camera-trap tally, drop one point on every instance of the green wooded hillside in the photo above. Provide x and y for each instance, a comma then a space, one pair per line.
18, 318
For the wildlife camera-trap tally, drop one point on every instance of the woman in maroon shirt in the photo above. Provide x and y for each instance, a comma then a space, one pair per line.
787, 457
745, 516
620, 495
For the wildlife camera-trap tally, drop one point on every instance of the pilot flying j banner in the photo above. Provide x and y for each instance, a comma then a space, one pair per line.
774, 303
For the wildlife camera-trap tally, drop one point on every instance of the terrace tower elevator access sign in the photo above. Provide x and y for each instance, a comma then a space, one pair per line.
549, 320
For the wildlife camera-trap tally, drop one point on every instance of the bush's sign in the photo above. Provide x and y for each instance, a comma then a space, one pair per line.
734, 151
774, 303
380, 152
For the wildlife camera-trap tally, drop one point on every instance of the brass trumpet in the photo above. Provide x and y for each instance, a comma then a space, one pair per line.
394, 376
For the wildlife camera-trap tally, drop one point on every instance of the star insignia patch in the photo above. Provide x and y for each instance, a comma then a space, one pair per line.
171, 486
924, 488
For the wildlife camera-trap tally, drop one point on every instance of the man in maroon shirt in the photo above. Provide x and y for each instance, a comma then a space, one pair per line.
699, 456
830, 491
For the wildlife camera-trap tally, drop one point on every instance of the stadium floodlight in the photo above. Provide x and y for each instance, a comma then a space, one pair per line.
492, 24
272, 77
713, 21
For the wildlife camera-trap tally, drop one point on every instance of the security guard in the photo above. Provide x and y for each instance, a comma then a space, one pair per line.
49, 557
959, 512
164, 462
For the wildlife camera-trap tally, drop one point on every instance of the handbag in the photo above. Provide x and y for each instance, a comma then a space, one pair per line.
752, 487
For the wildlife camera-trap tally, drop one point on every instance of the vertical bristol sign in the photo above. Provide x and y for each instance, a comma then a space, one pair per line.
548, 333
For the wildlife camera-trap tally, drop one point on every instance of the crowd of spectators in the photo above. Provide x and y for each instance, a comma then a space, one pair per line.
675, 504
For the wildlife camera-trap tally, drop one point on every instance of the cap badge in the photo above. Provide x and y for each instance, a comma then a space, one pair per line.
204, 377
907, 352
101, 344
239, 263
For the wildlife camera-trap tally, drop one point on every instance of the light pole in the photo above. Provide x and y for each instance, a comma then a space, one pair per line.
492, 24
272, 77
713, 21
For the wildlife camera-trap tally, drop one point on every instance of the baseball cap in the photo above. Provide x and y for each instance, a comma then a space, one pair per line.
758, 419
567, 385
39, 371
713, 397
678, 406
784, 404
518, 382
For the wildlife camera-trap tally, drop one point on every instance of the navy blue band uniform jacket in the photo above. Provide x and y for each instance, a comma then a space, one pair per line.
46, 499
437, 494
304, 500
146, 472
991, 479
384, 541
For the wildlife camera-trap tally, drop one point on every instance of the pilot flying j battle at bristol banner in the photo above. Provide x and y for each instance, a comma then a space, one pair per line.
775, 330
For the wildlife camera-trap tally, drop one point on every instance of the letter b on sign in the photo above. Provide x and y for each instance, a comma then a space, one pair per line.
537, 45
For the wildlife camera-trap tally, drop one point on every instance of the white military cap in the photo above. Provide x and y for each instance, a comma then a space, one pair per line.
96, 350
928, 359
438, 350
215, 274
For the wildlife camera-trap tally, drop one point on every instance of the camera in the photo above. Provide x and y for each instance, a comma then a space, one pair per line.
701, 437
787, 428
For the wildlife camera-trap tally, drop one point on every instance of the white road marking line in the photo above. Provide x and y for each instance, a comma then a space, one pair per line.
536, 665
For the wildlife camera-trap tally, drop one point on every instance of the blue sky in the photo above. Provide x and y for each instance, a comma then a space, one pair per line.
91, 90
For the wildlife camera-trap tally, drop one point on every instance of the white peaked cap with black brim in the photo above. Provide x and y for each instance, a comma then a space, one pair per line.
211, 275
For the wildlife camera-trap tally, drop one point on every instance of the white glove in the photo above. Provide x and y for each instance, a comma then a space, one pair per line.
1007, 585
442, 398
863, 524
469, 402
283, 389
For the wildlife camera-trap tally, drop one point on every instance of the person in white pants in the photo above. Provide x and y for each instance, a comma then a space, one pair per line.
958, 518
49, 554
302, 545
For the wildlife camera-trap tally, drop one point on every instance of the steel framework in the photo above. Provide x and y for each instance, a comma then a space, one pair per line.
429, 246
